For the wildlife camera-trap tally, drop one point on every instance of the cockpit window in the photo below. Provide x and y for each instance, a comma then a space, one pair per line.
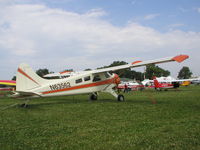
107, 75
96, 78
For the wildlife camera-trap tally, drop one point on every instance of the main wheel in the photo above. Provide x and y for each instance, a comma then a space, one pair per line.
120, 98
93, 97
24, 105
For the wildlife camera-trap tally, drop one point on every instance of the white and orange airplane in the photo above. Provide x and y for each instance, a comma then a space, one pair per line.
30, 85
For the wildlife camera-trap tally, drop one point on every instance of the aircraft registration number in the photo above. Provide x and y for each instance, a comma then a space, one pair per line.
60, 86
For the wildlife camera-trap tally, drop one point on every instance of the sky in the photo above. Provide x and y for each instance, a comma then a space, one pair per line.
81, 34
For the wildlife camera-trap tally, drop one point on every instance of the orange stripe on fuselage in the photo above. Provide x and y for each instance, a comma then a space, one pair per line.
109, 81
22, 72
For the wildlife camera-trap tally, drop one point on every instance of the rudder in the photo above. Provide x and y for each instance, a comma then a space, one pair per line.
27, 79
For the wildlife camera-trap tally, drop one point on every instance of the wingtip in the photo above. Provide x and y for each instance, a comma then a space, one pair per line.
180, 58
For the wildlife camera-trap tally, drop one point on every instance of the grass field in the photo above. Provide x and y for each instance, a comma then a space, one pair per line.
146, 120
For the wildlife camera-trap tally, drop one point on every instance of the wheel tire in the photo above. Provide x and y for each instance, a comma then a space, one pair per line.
93, 97
22, 105
120, 98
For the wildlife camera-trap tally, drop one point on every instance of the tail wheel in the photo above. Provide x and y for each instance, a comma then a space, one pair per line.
120, 98
93, 97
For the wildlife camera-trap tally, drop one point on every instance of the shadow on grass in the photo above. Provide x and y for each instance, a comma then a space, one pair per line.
39, 102
38, 105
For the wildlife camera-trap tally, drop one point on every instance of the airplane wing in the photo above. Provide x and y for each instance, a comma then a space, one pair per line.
178, 58
182, 80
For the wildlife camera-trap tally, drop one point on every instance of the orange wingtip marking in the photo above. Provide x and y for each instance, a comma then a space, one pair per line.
180, 58
135, 62
65, 72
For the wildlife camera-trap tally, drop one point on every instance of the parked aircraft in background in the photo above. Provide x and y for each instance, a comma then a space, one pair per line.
131, 85
30, 85
63, 74
7, 85
169, 83
164, 85
196, 82
185, 83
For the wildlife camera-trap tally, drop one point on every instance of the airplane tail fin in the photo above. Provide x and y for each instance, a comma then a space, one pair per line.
156, 83
27, 79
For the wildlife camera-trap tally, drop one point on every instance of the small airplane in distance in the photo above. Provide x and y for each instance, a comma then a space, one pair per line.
30, 85
131, 85
63, 74
170, 83
164, 85
7, 85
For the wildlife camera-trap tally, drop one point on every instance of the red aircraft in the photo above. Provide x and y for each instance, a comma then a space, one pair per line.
164, 85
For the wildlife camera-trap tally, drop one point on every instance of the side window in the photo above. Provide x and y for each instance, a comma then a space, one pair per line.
78, 81
96, 78
87, 78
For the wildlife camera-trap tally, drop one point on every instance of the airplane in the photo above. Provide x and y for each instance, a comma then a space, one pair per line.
7, 85
30, 85
170, 83
185, 83
63, 74
131, 85
164, 85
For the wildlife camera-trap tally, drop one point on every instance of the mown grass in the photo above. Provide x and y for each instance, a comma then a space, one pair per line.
146, 120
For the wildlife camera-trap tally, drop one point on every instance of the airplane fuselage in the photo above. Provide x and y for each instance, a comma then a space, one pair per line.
79, 84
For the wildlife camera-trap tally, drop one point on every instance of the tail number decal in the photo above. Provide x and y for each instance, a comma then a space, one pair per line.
60, 86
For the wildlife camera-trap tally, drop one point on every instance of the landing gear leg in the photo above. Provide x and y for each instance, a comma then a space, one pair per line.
119, 97
25, 105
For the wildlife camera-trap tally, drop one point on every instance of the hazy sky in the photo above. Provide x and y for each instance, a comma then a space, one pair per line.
80, 34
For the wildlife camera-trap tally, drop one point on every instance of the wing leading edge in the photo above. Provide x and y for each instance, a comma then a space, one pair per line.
135, 64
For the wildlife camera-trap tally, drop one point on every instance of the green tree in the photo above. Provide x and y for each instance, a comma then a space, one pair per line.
14, 78
137, 75
88, 69
153, 70
42, 72
184, 73
125, 73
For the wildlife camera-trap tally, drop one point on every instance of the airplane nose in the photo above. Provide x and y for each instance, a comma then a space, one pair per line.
117, 79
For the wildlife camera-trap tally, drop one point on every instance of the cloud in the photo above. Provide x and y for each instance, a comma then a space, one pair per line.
95, 13
198, 10
133, 2
151, 16
183, 10
59, 39
175, 26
